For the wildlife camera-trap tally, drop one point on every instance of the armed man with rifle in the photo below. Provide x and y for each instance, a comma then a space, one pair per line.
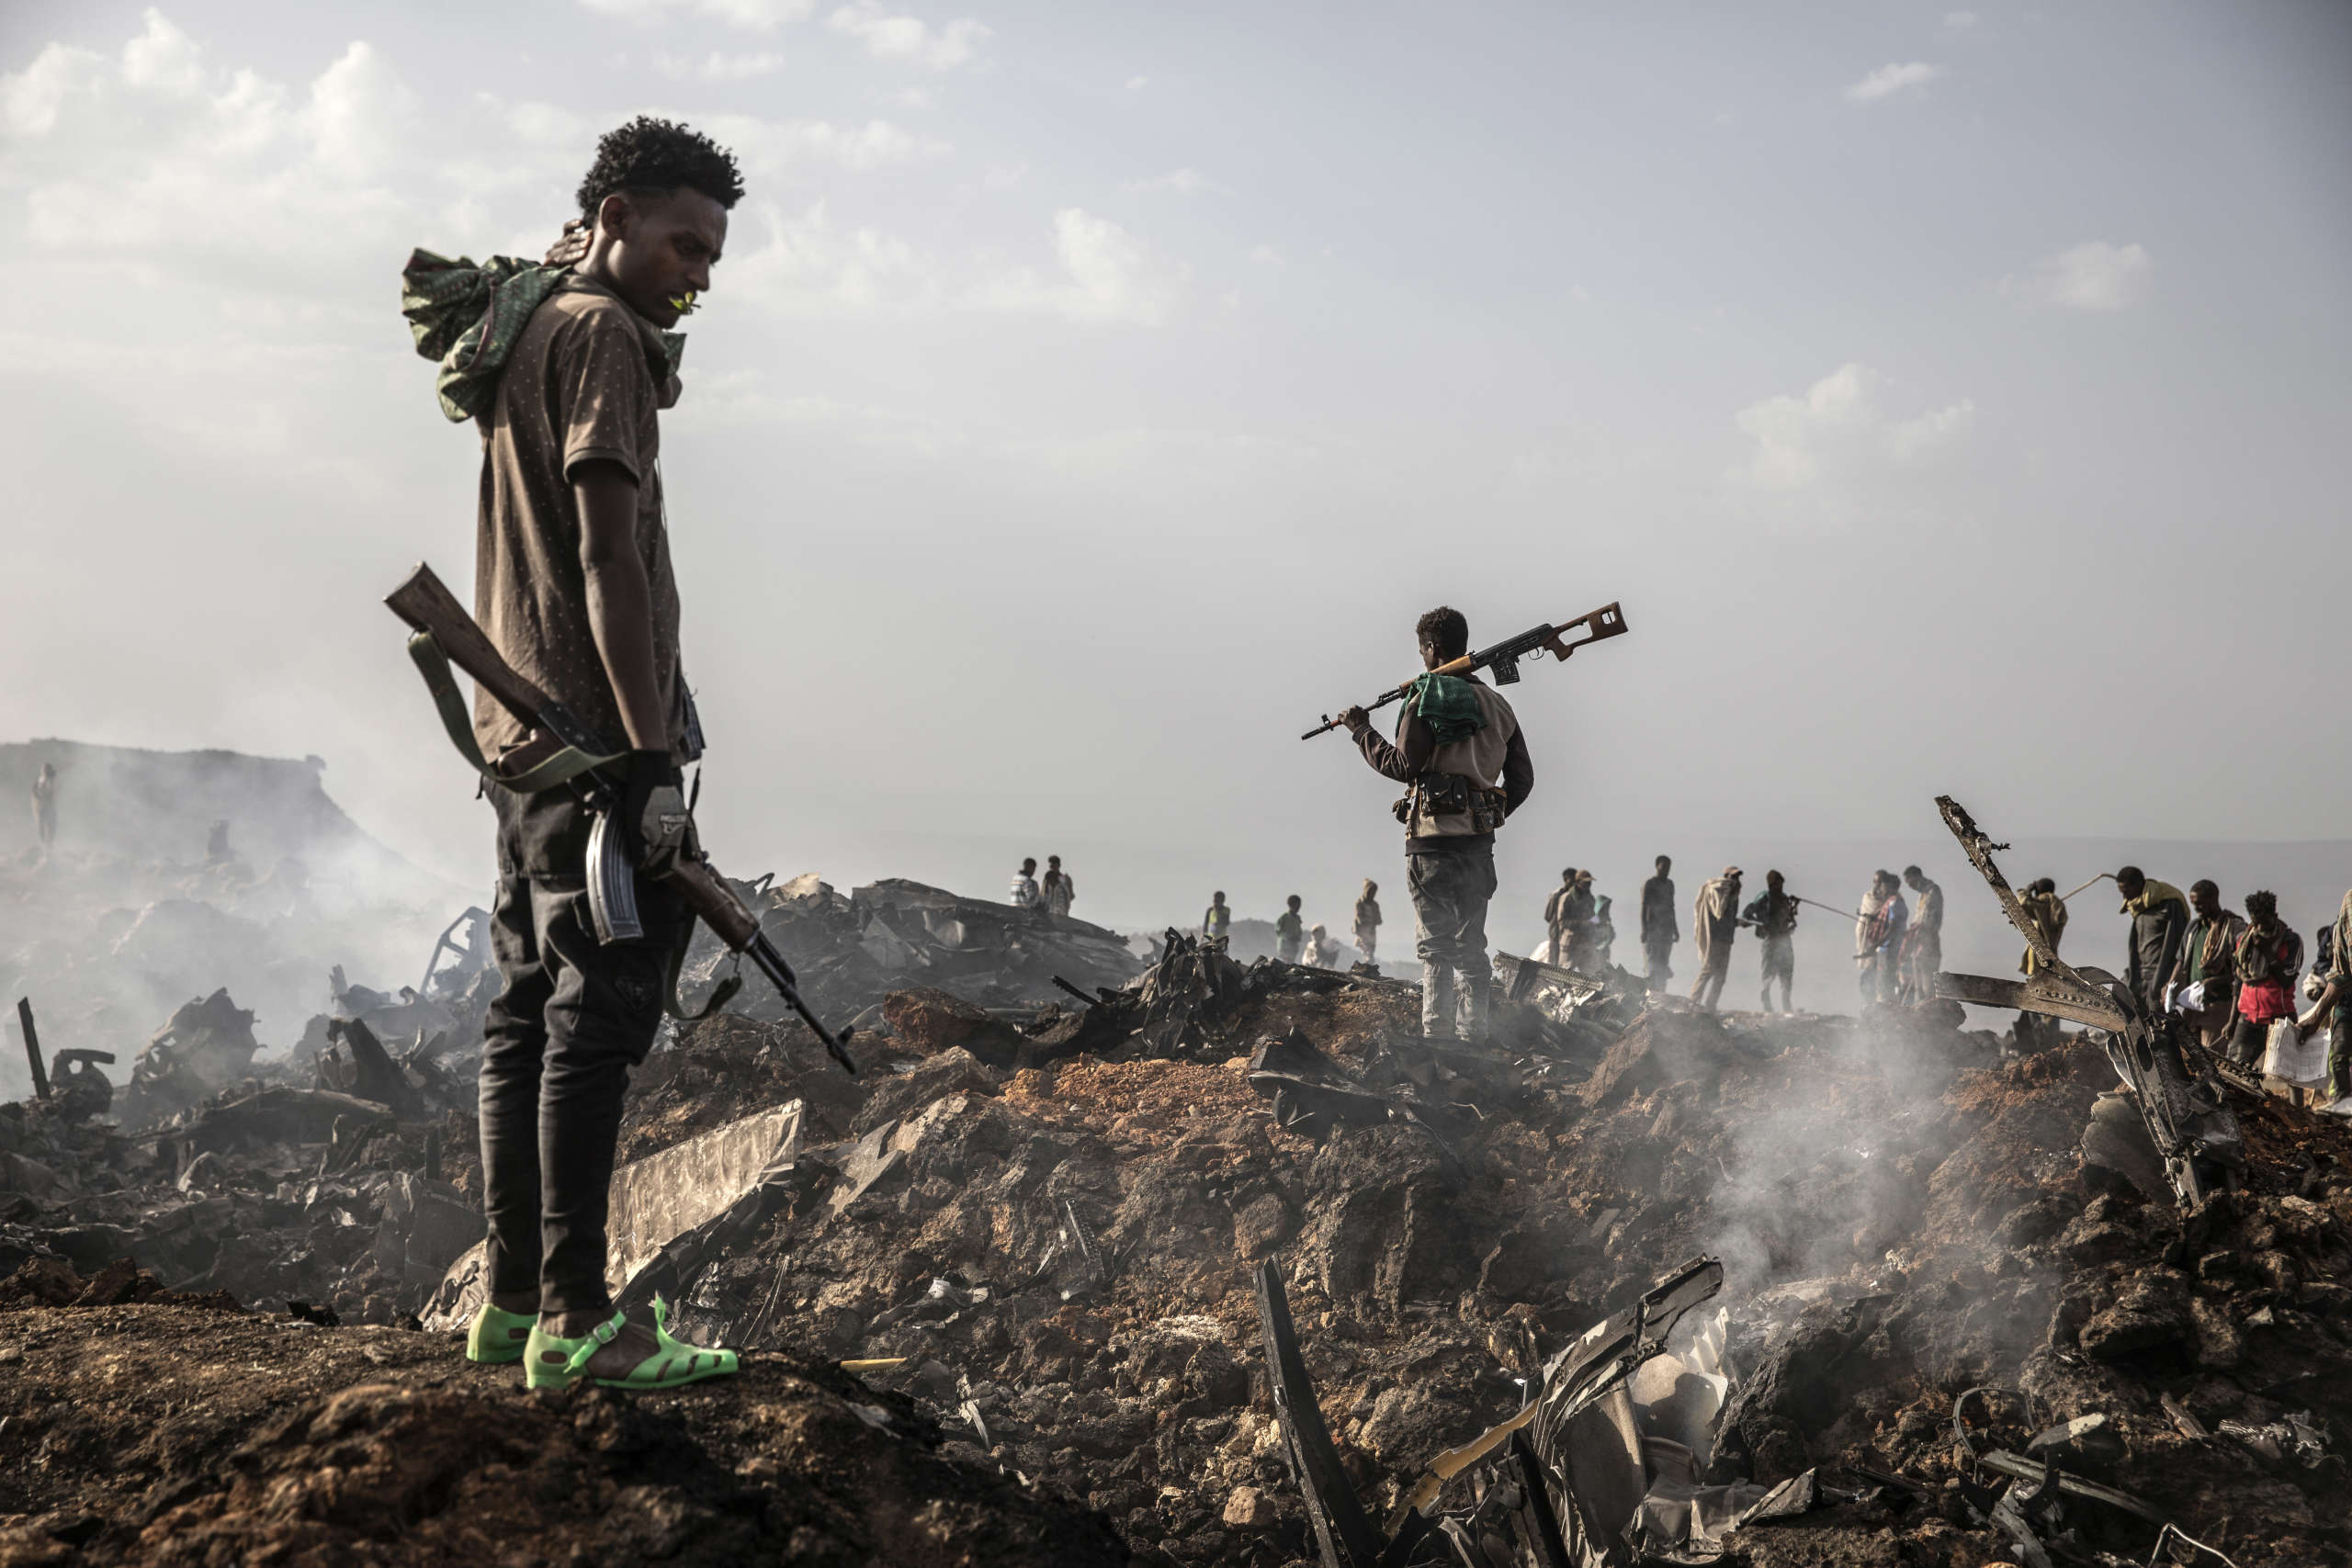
566, 371
1459, 751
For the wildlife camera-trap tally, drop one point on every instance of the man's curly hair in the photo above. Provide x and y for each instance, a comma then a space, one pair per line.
1445, 630
659, 154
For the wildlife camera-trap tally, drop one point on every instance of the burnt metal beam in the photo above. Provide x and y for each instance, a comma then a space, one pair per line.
1344, 1533
32, 1046
2193, 1131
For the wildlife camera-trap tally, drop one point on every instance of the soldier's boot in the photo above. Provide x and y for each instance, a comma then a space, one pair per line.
1437, 1000
1472, 988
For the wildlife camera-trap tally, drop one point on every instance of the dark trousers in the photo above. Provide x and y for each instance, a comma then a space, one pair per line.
2248, 1041
558, 1043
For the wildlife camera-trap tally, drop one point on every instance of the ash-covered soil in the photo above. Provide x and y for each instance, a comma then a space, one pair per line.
1044, 1225
190, 1435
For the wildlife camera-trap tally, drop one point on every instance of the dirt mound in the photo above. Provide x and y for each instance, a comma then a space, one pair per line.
148, 1434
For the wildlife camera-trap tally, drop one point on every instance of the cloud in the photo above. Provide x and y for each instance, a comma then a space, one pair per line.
1183, 182
165, 154
756, 15
1111, 277
910, 38
2093, 276
773, 146
1889, 80
806, 265
1137, 84
909, 98
31, 99
718, 67
1961, 21
1266, 255
1839, 433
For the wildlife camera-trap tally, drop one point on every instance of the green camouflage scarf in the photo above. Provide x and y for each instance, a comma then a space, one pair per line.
1449, 705
467, 317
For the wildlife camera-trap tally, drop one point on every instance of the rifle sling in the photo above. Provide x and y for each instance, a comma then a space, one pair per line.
552, 772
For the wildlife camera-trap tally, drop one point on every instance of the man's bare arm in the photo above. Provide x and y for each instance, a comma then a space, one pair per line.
621, 601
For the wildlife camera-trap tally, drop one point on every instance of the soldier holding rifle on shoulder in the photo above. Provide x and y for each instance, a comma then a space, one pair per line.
1459, 750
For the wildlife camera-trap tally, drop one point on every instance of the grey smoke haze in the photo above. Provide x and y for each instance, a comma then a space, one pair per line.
130, 916
1091, 396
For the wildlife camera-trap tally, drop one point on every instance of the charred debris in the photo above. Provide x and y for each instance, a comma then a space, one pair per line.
1153, 1256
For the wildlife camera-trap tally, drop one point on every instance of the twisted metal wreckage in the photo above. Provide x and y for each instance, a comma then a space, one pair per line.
1567, 1472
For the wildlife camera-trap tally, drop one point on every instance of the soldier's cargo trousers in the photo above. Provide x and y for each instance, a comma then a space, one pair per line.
1450, 896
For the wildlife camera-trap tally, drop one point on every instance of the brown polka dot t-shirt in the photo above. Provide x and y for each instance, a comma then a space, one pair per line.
586, 380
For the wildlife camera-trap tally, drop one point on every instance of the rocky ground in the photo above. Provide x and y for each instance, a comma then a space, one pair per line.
1034, 1229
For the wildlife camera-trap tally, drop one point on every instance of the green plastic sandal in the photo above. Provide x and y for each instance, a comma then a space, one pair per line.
555, 1361
497, 1336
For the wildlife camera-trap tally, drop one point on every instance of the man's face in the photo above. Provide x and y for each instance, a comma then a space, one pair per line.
2205, 901
2131, 887
1431, 657
1912, 880
656, 250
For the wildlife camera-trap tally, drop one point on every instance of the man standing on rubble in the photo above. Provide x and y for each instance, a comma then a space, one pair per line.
1216, 925
574, 584
2159, 920
1660, 930
2204, 982
45, 807
2040, 906
1715, 924
1368, 922
1878, 937
1025, 895
2331, 1009
1555, 919
1290, 931
2267, 958
1923, 944
1584, 927
1459, 751
1058, 891
1773, 914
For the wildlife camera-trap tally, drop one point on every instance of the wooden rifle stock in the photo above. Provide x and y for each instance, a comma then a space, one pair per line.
425, 602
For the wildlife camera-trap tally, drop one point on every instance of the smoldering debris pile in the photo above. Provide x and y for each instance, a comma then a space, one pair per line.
1767, 1291
850, 950
1940, 1331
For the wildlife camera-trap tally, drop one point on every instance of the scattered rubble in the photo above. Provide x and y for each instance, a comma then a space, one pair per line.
1625, 1282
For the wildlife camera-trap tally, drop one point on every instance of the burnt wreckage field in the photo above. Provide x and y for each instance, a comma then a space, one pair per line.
1074, 1273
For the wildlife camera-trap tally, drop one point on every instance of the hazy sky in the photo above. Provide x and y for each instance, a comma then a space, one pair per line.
1092, 395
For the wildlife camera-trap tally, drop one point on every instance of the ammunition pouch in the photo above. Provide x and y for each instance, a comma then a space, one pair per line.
1452, 795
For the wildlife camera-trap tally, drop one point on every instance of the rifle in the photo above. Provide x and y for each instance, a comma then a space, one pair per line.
1502, 660
445, 631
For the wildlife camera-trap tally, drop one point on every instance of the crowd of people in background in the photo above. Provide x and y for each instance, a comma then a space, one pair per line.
2233, 978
